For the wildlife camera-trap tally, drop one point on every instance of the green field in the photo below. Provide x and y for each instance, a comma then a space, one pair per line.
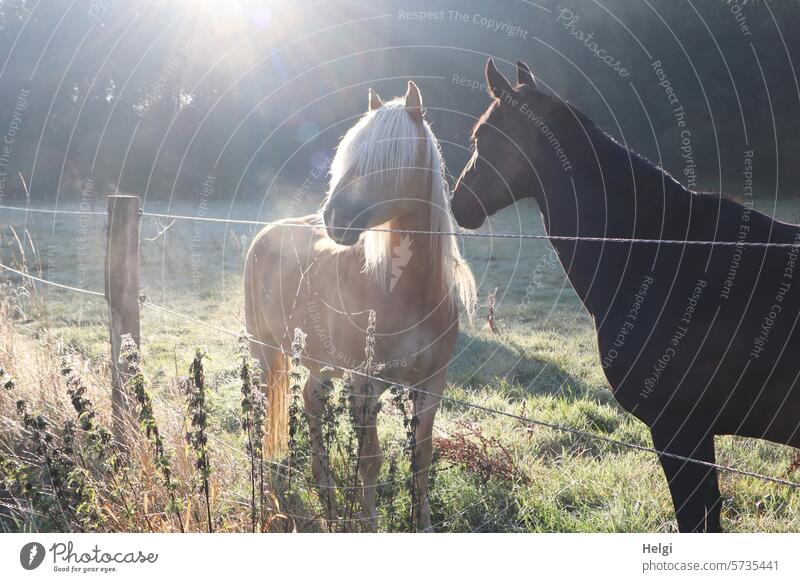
542, 363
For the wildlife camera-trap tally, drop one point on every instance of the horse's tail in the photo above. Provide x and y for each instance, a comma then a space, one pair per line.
278, 392
274, 364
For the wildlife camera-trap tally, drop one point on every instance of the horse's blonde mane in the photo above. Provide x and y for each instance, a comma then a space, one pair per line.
389, 138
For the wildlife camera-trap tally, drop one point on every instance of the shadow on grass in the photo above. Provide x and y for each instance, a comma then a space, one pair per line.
489, 360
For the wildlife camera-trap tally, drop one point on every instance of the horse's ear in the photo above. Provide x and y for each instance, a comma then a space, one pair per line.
498, 85
524, 75
374, 101
413, 102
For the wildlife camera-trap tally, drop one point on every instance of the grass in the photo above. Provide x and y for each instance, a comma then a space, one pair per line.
542, 363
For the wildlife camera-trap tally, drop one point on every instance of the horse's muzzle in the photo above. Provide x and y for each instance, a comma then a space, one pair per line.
466, 211
346, 234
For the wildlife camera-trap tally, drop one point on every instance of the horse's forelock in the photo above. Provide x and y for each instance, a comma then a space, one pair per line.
385, 138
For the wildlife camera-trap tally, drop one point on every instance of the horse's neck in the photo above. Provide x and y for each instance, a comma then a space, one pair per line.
417, 256
616, 194
415, 221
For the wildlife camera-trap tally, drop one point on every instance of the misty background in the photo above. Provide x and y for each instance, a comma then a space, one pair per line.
184, 99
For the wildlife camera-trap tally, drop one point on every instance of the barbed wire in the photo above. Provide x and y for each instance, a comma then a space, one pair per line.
471, 234
276, 466
520, 418
488, 410
458, 233
54, 210
51, 283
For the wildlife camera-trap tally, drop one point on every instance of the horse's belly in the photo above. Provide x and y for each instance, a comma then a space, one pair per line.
401, 353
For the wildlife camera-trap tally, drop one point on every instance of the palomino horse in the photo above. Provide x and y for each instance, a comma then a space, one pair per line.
695, 340
324, 274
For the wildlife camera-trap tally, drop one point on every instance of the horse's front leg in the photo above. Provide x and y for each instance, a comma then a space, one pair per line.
366, 405
425, 404
315, 395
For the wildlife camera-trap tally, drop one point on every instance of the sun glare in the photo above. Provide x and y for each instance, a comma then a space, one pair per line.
229, 16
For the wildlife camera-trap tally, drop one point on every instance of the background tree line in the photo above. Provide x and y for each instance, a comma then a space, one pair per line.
156, 97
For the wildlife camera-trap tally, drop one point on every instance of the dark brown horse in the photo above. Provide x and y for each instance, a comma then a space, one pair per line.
695, 340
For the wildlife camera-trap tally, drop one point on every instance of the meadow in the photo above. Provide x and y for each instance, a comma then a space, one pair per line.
491, 473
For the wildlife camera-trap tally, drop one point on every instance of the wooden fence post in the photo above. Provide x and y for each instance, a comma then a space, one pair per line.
122, 294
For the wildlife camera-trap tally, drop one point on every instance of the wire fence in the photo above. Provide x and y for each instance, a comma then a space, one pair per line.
457, 233
524, 419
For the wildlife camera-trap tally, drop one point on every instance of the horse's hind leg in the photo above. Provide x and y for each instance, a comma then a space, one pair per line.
316, 393
694, 487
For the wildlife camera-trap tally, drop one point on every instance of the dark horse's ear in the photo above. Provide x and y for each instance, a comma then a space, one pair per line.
499, 87
524, 75
413, 102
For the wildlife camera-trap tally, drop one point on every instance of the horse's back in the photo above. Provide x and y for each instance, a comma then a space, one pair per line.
284, 236
275, 260
710, 330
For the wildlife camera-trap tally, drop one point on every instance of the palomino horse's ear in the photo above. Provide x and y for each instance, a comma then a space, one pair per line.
524, 75
498, 85
413, 101
374, 101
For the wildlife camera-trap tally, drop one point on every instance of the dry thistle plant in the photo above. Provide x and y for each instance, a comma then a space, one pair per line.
253, 414
80, 484
194, 388
487, 457
347, 447
100, 439
330, 429
23, 479
295, 406
61, 469
363, 406
129, 356
402, 398
74, 493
